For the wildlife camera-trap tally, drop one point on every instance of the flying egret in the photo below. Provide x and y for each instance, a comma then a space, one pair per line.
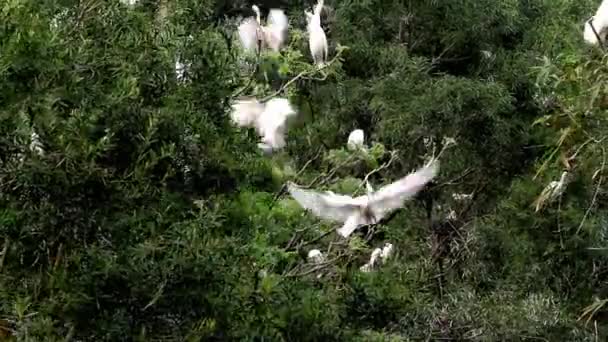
273, 35
269, 120
551, 192
367, 209
599, 22
356, 139
317, 40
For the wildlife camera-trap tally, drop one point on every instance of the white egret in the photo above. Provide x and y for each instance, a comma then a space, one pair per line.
273, 35
317, 40
356, 139
597, 23
373, 259
367, 209
378, 257
462, 197
129, 2
551, 192
387, 251
316, 256
180, 71
269, 120
35, 144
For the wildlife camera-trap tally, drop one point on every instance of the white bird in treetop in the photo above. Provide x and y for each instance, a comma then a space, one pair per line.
273, 35
379, 256
316, 256
600, 22
387, 251
317, 40
356, 139
551, 192
367, 209
269, 119
372, 260
35, 144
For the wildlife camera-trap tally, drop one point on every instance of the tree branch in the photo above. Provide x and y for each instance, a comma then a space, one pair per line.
300, 75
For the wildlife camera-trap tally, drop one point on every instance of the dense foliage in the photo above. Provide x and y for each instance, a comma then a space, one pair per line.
149, 216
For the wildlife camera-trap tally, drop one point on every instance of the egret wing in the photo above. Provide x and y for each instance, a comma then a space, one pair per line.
277, 19
391, 197
246, 112
276, 31
324, 205
248, 34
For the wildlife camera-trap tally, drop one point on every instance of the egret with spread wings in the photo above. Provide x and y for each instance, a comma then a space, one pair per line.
273, 35
359, 211
269, 119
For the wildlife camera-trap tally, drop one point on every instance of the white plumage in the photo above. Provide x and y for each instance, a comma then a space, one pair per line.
356, 139
599, 22
316, 256
373, 259
378, 257
180, 71
35, 144
317, 40
387, 251
249, 34
551, 191
269, 120
462, 197
367, 209
273, 35
129, 2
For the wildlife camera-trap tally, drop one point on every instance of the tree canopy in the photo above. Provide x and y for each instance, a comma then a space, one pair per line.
141, 212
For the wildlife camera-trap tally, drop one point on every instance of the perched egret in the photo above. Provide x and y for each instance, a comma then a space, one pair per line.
316, 256
367, 209
599, 22
373, 259
273, 35
462, 197
317, 40
180, 71
35, 144
269, 120
129, 2
356, 139
387, 251
551, 192
378, 257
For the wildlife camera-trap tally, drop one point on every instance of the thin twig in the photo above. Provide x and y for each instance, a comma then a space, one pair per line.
316, 239
378, 169
300, 75
316, 268
298, 174
4, 252
597, 189
455, 180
